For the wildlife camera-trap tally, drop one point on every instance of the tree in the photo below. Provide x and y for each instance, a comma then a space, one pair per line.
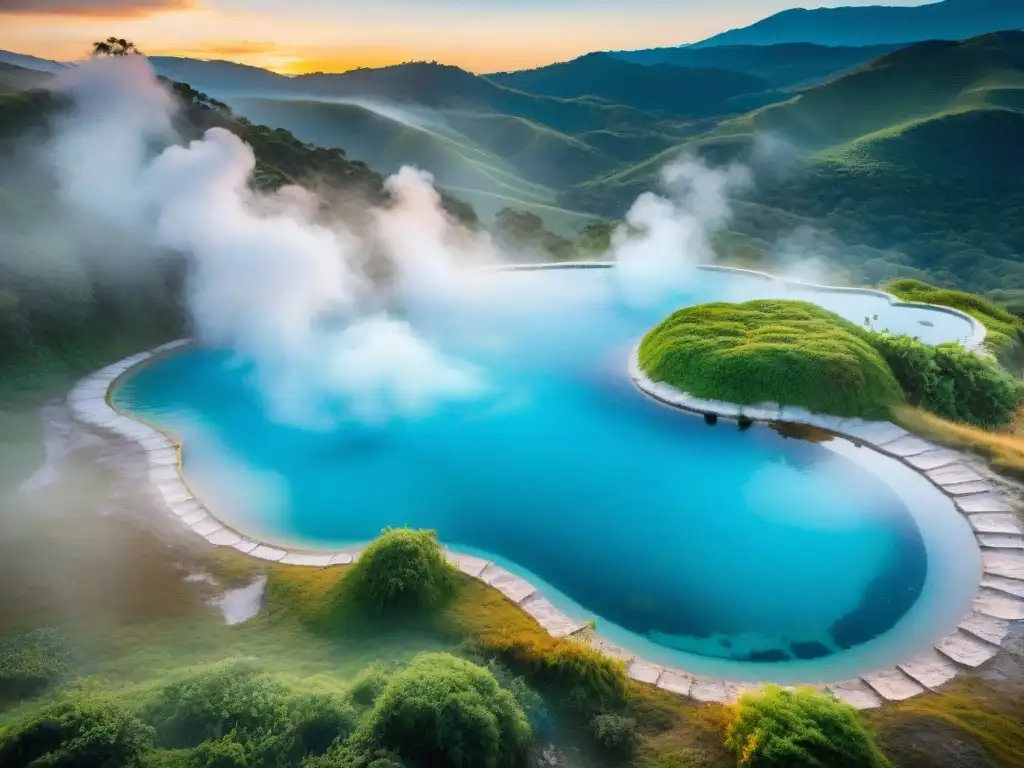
115, 46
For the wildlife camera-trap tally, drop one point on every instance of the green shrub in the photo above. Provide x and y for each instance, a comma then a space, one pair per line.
32, 661
368, 684
441, 710
402, 569
233, 696
222, 753
800, 729
950, 381
778, 351
318, 720
616, 733
82, 732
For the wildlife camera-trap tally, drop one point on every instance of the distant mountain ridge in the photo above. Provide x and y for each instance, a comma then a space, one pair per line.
878, 24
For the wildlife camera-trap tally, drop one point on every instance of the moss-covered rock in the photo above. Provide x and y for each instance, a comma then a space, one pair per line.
786, 352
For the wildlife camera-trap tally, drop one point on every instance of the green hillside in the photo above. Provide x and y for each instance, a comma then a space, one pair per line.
668, 88
917, 153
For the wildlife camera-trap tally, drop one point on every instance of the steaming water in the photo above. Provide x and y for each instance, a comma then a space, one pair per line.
741, 554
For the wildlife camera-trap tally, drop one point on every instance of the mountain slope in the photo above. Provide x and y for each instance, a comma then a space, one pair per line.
780, 66
660, 87
874, 25
30, 62
919, 151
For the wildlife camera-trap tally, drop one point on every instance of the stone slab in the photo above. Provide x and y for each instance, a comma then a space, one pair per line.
176, 491
874, 432
245, 546
610, 649
908, 446
342, 558
952, 474
999, 605
997, 522
931, 669
186, 508
966, 649
643, 672
196, 516
675, 681
1001, 540
207, 526
164, 474
548, 616
1010, 586
760, 412
933, 459
264, 552
856, 693
1008, 564
514, 588
893, 684
982, 502
990, 629
710, 690
307, 558
468, 564
966, 489
795, 415
830, 423
225, 537
156, 442
164, 457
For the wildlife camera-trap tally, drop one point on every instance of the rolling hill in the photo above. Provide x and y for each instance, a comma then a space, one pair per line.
781, 66
918, 151
878, 24
662, 87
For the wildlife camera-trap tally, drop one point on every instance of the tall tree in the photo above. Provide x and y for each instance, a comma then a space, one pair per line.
115, 46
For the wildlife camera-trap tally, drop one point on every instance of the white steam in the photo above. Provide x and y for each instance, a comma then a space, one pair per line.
284, 293
665, 237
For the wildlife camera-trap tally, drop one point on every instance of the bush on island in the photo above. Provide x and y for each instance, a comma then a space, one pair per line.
778, 728
403, 569
79, 732
777, 351
442, 710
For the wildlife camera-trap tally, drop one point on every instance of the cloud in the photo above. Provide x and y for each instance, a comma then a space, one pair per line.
112, 8
207, 50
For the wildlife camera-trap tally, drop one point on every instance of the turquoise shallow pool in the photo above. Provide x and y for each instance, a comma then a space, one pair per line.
738, 553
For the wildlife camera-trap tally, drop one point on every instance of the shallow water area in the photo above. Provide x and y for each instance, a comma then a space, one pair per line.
736, 553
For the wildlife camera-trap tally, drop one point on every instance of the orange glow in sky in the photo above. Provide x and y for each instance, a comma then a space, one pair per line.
293, 36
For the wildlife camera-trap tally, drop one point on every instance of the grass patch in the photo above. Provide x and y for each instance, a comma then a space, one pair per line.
1004, 329
786, 352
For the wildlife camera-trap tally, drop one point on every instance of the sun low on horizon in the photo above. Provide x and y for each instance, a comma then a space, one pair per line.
299, 36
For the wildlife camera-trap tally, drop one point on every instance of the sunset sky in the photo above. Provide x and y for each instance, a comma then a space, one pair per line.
334, 35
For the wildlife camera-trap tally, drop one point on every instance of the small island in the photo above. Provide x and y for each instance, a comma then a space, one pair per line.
794, 353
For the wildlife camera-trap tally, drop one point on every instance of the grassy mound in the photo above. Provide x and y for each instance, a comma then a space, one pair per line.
787, 352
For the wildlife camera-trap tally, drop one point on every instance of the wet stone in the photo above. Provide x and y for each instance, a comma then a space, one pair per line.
468, 564
967, 489
966, 649
676, 682
931, 669
245, 546
548, 616
795, 415
643, 672
908, 446
999, 605
268, 553
1000, 522
874, 432
933, 459
206, 527
1006, 563
955, 473
893, 684
224, 538
197, 516
856, 693
1010, 586
1001, 540
982, 502
987, 628
514, 588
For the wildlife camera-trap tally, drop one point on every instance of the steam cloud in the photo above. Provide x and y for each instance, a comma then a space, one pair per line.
665, 237
285, 293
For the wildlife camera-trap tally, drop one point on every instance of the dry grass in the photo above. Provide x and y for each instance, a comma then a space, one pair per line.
1004, 449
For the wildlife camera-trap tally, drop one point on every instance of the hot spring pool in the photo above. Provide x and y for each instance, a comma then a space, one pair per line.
741, 554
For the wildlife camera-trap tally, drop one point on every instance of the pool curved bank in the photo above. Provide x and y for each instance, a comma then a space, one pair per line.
90, 403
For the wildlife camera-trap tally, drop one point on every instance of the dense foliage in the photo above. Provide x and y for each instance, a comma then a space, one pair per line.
442, 710
402, 569
32, 661
780, 728
523, 233
786, 352
82, 732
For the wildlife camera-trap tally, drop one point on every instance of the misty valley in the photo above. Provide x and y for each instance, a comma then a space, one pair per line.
661, 406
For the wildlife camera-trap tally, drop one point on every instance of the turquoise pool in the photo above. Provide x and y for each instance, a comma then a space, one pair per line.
742, 554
